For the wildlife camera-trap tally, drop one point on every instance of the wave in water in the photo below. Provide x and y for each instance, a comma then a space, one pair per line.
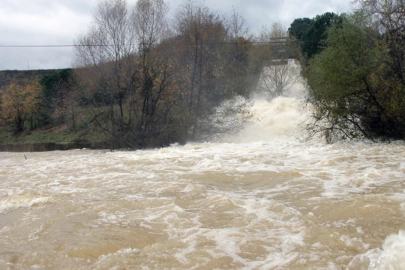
391, 256
269, 202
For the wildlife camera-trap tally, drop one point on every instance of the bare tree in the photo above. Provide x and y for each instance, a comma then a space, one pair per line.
65, 100
142, 76
389, 16
200, 33
106, 54
278, 79
151, 26
237, 27
236, 56
125, 71
278, 73
212, 59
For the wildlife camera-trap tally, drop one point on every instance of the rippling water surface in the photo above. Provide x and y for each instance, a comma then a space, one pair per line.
244, 203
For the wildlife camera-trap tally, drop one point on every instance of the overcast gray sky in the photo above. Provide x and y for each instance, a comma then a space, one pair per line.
59, 22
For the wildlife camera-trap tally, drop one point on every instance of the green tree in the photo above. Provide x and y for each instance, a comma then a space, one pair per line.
351, 88
54, 83
299, 27
60, 97
296, 31
311, 33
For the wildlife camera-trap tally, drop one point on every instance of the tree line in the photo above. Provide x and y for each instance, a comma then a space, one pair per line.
153, 82
143, 80
146, 81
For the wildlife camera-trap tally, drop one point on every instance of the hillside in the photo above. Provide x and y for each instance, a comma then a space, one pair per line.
6, 76
49, 128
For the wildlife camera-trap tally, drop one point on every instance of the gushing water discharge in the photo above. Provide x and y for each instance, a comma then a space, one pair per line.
273, 121
260, 200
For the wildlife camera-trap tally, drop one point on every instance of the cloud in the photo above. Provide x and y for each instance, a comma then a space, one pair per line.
49, 24
43, 23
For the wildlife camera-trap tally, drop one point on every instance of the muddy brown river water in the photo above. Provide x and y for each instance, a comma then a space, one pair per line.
247, 203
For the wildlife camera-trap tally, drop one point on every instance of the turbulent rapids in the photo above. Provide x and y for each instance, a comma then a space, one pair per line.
262, 199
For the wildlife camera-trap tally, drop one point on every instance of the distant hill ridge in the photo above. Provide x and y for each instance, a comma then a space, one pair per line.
6, 76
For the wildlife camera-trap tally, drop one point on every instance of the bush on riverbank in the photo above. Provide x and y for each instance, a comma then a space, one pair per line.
356, 80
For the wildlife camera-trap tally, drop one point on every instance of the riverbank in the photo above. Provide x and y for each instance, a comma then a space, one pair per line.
56, 138
42, 147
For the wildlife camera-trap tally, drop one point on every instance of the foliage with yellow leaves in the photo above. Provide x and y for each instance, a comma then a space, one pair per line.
20, 102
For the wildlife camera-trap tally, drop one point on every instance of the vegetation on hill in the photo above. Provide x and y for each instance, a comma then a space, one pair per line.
141, 80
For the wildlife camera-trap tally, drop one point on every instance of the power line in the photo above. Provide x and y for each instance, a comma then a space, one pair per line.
111, 45
52, 46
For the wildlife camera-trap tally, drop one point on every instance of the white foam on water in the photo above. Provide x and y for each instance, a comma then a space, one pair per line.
26, 199
265, 223
262, 199
390, 256
110, 260
282, 118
